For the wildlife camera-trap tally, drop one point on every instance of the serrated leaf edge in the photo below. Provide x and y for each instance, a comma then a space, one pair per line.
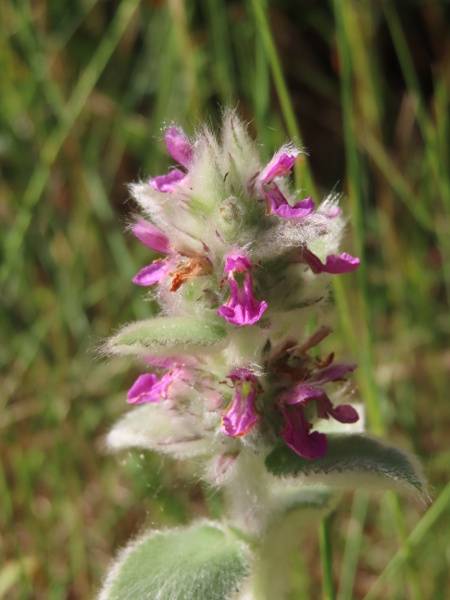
361, 477
176, 345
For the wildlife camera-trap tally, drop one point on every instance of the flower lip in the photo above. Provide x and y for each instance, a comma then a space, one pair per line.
299, 210
169, 182
242, 373
237, 262
148, 388
300, 394
280, 165
334, 264
298, 436
333, 372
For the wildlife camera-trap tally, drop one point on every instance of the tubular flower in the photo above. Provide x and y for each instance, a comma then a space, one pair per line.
180, 149
280, 166
242, 308
148, 388
297, 431
179, 268
241, 416
153, 238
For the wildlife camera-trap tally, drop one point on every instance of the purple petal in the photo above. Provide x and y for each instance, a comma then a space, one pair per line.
241, 416
344, 413
143, 390
151, 237
334, 264
242, 307
341, 264
301, 393
167, 183
237, 262
148, 388
179, 147
275, 197
153, 273
241, 373
296, 434
301, 209
227, 313
279, 166
333, 372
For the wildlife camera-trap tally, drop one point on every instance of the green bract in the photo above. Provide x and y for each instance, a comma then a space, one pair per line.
166, 336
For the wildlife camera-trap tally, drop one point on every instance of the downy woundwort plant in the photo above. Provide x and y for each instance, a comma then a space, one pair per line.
232, 373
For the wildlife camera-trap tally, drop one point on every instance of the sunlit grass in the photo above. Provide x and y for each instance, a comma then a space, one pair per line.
86, 87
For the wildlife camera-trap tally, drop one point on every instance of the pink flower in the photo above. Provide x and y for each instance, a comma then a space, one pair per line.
156, 240
297, 434
151, 388
334, 264
181, 150
241, 416
297, 431
280, 166
148, 388
241, 308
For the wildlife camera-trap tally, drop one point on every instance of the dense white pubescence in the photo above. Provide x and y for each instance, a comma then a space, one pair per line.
218, 205
221, 211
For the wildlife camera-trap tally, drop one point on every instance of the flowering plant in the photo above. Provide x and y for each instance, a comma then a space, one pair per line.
232, 373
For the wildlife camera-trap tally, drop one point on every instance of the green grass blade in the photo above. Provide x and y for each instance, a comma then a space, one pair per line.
52, 145
414, 539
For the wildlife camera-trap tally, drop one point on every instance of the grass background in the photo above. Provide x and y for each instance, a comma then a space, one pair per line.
86, 87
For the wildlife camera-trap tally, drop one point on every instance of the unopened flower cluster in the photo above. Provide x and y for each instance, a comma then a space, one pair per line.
236, 246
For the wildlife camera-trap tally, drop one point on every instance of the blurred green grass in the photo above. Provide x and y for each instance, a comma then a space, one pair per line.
86, 88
